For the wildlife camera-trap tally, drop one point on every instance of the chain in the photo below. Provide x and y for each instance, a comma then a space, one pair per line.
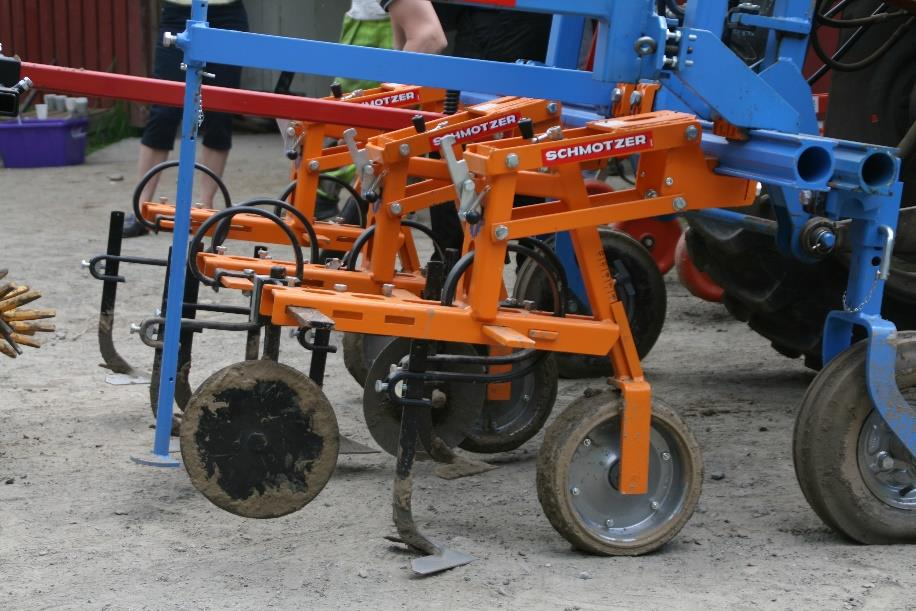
868, 297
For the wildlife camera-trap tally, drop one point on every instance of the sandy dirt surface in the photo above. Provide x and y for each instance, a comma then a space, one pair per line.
81, 526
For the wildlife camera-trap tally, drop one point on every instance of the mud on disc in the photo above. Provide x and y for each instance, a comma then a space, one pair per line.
259, 439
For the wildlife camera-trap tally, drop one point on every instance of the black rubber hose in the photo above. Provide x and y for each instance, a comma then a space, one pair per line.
222, 230
867, 61
353, 255
450, 287
361, 203
165, 165
825, 17
198, 238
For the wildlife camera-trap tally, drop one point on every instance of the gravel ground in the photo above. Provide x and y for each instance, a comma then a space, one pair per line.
81, 526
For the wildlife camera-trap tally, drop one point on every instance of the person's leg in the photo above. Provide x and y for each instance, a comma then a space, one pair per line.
214, 159
148, 158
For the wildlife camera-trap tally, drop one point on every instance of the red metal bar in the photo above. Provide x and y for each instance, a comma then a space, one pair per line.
220, 99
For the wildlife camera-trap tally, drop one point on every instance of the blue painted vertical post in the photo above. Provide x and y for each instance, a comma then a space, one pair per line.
565, 41
179, 257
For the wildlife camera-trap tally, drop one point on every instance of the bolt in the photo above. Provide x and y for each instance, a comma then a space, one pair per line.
648, 242
666, 456
314, 165
290, 131
512, 161
526, 398
404, 149
654, 505
157, 312
333, 263
635, 98
387, 289
380, 386
501, 232
552, 108
220, 250
669, 181
134, 328
169, 39
340, 288
395, 209
183, 67
248, 272
609, 523
670, 62
688, 62
885, 461
691, 37
587, 442
680, 204
575, 491
209, 75
616, 94
651, 194
691, 133
163, 199
264, 254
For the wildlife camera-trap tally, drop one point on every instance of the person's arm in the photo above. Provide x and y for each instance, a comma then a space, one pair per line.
416, 27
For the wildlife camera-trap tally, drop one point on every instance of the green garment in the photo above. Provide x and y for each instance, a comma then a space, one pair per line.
364, 34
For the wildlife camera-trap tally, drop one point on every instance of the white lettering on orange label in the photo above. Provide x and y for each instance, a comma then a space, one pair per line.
403, 98
486, 128
612, 147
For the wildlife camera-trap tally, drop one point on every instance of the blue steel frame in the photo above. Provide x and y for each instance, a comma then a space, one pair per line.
771, 101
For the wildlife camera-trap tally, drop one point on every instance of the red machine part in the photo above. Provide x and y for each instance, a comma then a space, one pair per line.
220, 99
659, 237
698, 283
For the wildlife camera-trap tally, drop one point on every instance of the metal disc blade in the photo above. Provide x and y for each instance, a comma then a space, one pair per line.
259, 439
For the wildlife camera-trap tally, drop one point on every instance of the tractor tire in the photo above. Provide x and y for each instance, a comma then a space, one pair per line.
785, 300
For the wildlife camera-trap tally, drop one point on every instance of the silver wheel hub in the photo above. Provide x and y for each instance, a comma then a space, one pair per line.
594, 473
887, 468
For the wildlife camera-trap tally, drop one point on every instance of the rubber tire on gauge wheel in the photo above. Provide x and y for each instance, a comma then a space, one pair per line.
646, 308
568, 450
827, 449
787, 301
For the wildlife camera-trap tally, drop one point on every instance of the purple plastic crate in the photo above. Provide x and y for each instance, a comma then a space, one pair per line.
38, 144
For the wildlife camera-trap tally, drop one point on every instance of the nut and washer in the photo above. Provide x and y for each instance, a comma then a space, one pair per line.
169, 40
512, 161
587, 442
404, 149
552, 108
387, 289
501, 232
340, 288
220, 250
314, 165
669, 181
679, 204
691, 133
651, 194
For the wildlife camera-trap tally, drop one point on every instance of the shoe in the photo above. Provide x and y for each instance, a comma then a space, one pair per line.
132, 227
